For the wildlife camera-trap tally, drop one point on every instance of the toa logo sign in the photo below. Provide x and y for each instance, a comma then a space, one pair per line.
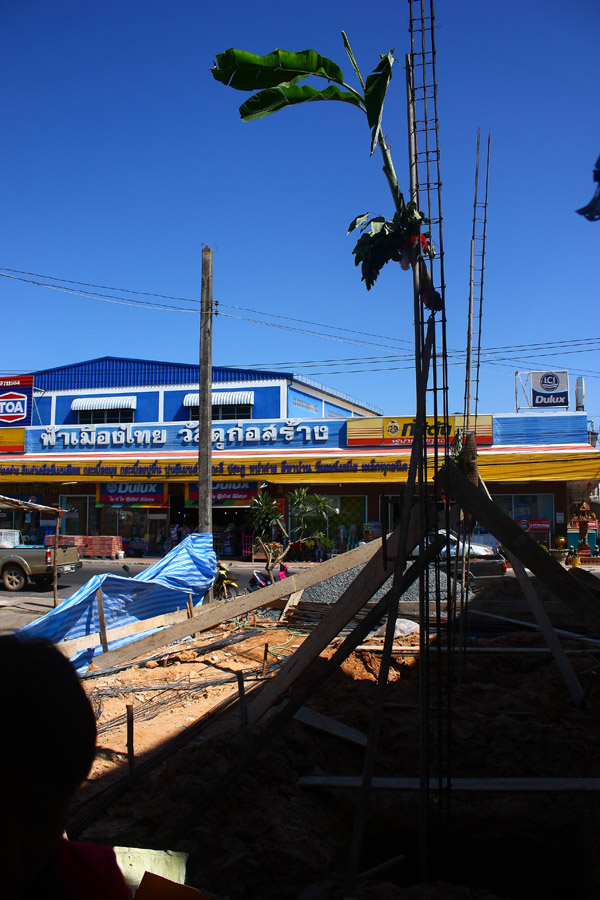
13, 407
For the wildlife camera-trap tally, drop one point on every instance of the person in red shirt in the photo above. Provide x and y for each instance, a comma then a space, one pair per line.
46, 751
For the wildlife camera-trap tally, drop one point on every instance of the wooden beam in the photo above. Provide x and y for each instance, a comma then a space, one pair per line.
556, 578
179, 826
367, 582
456, 784
573, 635
69, 648
292, 601
320, 722
213, 614
101, 619
537, 608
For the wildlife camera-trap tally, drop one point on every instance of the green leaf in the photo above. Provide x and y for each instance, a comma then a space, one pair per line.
265, 103
375, 90
379, 223
358, 221
352, 59
249, 72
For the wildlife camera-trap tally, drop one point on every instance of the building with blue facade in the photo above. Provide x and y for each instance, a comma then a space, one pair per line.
114, 442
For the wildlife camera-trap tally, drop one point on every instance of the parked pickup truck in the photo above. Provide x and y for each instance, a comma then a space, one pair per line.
20, 563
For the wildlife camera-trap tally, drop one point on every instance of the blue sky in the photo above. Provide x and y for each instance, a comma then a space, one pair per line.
122, 157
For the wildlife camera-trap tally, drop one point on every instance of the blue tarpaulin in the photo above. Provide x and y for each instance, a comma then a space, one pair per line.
189, 568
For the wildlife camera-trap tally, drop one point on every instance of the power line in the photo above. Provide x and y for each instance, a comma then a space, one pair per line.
583, 344
185, 300
103, 287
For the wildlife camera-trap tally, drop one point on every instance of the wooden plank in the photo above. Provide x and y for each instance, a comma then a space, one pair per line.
292, 601
456, 784
367, 582
556, 578
69, 648
101, 619
320, 722
537, 608
213, 614
595, 642
180, 825
415, 651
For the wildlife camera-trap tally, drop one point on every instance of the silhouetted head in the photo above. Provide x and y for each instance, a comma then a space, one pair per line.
47, 749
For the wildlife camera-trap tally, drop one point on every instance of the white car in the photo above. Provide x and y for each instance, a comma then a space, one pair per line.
475, 550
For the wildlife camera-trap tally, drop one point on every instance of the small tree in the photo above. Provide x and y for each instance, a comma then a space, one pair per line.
264, 516
311, 514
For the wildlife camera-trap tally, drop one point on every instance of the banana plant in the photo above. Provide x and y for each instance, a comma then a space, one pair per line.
276, 80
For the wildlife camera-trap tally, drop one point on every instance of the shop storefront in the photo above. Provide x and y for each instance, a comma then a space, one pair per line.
137, 479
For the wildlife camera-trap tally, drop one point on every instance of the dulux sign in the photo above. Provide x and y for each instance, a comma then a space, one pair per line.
136, 493
550, 390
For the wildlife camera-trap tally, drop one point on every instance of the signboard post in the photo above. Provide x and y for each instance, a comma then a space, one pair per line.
542, 390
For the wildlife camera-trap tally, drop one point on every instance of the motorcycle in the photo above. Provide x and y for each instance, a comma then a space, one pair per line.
261, 579
224, 588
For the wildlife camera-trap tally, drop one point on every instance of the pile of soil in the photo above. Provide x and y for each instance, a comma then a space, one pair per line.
497, 711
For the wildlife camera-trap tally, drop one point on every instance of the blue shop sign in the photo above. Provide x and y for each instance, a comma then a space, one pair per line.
133, 438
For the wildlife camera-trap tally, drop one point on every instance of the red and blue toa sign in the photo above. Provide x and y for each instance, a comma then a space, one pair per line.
15, 400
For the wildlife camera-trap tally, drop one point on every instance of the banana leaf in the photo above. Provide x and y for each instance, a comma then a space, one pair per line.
249, 72
376, 87
271, 101
358, 222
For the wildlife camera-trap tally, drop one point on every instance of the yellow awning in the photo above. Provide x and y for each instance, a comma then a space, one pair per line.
577, 464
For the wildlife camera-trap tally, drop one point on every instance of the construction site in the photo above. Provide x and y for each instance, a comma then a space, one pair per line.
383, 724
248, 744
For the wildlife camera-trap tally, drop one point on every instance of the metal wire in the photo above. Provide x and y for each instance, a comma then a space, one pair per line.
426, 190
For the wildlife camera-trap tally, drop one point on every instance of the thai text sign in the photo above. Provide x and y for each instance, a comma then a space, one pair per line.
395, 431
225, 493
183, 436
327, 468
133, 493
529, 524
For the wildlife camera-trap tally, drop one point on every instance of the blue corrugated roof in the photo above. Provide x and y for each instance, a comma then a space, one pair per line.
541, 428
118, 372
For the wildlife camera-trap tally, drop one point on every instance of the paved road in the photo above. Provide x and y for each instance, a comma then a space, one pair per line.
17, 609
21, 607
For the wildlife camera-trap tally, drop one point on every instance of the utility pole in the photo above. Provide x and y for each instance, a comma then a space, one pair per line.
205, 397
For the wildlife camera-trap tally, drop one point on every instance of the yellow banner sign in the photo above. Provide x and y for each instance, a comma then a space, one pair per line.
12, 440
396, 431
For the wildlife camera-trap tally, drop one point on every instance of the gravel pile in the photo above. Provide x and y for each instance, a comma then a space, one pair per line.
331, 590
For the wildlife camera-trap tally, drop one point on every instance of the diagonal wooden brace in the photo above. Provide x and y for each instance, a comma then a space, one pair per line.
573, 594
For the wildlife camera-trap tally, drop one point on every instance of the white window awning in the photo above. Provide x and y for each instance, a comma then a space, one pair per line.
223, 398
104, 403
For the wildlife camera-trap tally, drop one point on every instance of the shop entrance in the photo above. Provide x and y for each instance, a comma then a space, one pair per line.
81, 516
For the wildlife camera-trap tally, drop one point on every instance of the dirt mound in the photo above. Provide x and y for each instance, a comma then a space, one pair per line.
268, 836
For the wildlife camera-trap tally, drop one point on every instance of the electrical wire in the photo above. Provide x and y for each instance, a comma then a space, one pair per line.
505, 355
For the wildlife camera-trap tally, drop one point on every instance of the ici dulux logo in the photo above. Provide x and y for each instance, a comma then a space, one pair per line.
549, 382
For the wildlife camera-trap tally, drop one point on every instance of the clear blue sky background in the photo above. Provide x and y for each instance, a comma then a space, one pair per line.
121, 157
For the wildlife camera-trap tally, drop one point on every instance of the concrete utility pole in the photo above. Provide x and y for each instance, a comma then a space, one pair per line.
205, 397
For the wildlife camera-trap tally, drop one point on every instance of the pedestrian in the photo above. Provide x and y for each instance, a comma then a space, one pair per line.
48, 746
